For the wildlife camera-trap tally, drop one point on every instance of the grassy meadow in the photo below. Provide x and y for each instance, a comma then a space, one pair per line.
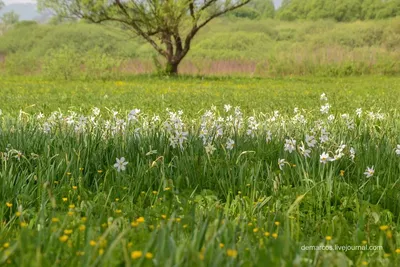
151, 171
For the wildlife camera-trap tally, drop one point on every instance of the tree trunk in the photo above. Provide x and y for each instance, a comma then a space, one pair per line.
171, 68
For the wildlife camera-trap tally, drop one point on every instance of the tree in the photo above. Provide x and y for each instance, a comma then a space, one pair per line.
269, 9
340, 10
169, 26
10, 18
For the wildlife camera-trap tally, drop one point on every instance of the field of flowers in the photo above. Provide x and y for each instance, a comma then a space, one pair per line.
197, 172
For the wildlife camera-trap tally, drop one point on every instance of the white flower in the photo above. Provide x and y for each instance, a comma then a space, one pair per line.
96, 111
120, 164
310, 140
352, 153
229, 144
19, 155
40, 116
344, 116
210, 149
398, 150
269, 136
290, 145
323, 97
324, 158
369, 172
305, 152
331, 118
325, 108
281, 163
359, 112
133, 114
46, 127
324, 136
227, 107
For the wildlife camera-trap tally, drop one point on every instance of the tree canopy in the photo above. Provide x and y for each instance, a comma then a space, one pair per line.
10, 18
169, 26
339, 10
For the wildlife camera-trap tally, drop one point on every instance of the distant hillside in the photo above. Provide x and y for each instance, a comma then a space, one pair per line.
26, 11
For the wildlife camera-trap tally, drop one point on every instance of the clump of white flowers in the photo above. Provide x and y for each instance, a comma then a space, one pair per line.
290, 145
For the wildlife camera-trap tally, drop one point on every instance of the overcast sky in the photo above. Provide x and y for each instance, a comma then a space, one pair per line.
7, 2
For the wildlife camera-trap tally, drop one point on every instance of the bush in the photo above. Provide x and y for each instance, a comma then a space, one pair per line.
67, 63
64, 63
20, 64
99, 65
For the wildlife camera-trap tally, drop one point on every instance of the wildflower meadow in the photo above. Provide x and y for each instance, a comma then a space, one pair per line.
200, 172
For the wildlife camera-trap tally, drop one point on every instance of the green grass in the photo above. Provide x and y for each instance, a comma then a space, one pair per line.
63, 203
153, 94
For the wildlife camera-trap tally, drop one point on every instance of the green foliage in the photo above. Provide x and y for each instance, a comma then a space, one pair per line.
340, 10
68, 63
266, 47
98, 65
245, 12
20, 64
10, 18
64, 63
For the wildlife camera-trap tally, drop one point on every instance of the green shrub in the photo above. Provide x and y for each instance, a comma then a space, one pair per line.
99, 65
20, 64
64, 63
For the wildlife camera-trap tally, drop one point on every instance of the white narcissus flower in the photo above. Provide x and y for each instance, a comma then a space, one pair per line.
96, 111
210, 149
281, 163
290, 145
369, 172
352, 153
325, 108
359, 112
398, 150
227, 107
305, 152
323, 97
229, 144
324, 158
120, 164
269, 136
310, 140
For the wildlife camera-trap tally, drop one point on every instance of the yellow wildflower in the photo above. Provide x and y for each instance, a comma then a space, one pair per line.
136, 254
140, 220
63, 238
384, 227
232, 253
